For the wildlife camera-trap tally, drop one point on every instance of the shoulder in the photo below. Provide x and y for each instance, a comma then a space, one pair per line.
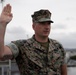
19, 42
54, 41
57, 44
23, 41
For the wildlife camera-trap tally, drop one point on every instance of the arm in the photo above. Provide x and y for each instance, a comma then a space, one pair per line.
64, 69
64, 65
5, 18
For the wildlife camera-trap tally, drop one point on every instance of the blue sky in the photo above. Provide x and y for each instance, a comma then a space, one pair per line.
63, 15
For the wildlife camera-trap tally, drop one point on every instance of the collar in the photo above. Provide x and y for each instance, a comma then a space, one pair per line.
32, 42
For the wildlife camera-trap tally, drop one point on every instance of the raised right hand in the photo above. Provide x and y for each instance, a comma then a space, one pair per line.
6, 15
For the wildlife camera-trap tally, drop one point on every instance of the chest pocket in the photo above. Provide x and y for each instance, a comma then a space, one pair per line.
34, 57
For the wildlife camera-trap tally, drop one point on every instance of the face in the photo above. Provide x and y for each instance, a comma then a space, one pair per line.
42, 29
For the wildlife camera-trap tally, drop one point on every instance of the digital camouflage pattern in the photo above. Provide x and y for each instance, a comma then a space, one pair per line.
33, 59
42, 16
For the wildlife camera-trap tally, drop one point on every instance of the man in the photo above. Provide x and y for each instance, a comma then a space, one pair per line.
38, 55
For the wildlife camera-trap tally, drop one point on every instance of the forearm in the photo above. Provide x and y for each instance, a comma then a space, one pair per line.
2, 34
64, 69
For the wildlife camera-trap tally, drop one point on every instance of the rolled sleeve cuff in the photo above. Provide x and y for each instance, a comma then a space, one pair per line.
14, 49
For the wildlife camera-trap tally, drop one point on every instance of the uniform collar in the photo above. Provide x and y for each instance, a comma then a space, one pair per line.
38, 46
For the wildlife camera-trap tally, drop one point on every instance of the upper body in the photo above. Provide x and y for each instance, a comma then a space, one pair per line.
41, 26
34, 57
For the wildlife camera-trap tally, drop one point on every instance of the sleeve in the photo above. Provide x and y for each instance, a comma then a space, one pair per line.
62, 51
64, 60
14, 49
63, 54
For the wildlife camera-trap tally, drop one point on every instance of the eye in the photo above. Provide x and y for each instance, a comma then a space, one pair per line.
49, 23
42, 23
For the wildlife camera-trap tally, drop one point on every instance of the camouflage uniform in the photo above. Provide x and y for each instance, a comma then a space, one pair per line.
33, 59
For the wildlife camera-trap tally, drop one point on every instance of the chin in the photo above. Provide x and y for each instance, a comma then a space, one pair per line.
45, 35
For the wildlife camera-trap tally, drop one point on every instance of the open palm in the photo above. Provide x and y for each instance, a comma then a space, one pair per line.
6, 15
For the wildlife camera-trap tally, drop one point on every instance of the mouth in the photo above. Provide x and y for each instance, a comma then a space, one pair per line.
46, 31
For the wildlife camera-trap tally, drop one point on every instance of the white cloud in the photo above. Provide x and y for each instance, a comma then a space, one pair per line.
63, 14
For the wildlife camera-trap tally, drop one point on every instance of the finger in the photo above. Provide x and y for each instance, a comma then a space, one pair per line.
7, 8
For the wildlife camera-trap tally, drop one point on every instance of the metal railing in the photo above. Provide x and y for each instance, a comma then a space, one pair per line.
3, 65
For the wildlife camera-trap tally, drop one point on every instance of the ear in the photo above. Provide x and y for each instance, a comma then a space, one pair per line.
33, 26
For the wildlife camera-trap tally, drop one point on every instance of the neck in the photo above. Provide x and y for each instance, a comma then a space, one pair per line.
41, 39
